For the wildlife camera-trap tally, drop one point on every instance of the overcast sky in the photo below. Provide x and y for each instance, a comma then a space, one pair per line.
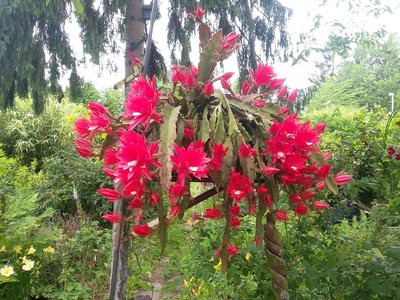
301, 21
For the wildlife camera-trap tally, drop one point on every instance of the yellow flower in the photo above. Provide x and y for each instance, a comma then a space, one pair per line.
28, 265
24, 259
3, 249
7, 271
31, 250
18, 249
247, 256
185, 283
49, 249
218, 266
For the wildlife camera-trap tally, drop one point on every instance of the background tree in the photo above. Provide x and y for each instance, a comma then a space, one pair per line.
29, 29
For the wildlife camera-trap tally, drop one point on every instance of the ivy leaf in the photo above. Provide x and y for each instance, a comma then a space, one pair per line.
78, 6
167, 139
209, 56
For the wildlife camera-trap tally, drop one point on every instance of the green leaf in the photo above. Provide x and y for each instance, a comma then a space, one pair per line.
47, 2
78, 6
205, 34
330, 183
162, 225
220, 133
209, 56
205, 127
378, 253
167, 139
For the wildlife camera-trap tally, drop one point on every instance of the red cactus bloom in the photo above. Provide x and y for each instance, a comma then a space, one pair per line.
188, 133
142, 230
208, 89
110, 157
246, 151
190, 161
140, 105
232, 249
390, 151
320, 185
113, 217
295, 198
270, 170
175, 210
234, 210
307, 194
263, 75
301, 209
239, 186
81, 127
110, 194
282, 92
320, 127
283, 110
292, 97
234, 222
275, 84
212, 213
197, 14
136, 203
319, 205
262, 189
323, 172
229, 41
245, 88
259, 103
218, 154
83, 151
154, 198
97, 108
341, 178
281, 215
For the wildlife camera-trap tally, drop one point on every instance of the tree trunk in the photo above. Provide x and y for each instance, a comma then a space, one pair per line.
119, 270
276, 264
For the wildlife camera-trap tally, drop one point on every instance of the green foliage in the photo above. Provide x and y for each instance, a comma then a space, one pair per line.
29, 138
356, 140
366, 79
66, 172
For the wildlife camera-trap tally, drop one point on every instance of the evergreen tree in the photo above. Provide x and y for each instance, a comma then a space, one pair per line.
31, 28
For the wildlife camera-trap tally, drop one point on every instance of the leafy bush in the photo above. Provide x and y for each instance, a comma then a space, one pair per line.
30, 138
66, 172
356, 139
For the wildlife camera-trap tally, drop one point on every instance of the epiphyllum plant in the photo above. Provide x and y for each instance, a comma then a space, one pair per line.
249, 147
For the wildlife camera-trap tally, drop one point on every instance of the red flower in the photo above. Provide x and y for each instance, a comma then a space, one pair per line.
295, 198
292, 97
246, 151
320, 127
319, 205
142, 230
234, 210
323, 172
281, 215
197, 14
245, 88
137, 203
84, 151
275, 84
234, 222
224, 80
110, 194
301, 209
154, 198
283, 110
140, 105
218, 154
175, 210
232, 249
188, 133
341, 179
239, 186
229, 41
263, 75
270, 170
97, 108
282, 93
307, 194
190, 161
212, 213
113, 217
81, 127
261, 189
259, 103
391, 150
320, 185
208, 89
110, 157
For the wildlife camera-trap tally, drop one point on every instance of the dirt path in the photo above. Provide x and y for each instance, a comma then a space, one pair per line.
157, 280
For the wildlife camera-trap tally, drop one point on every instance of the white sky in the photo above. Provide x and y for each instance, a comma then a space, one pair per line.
301, 21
